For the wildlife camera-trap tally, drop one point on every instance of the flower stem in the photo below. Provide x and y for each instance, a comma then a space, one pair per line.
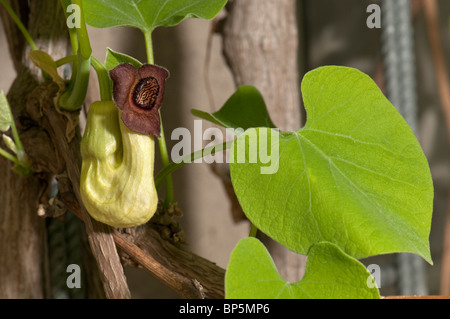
9, 156
172, 167
166, 162
19, 24
83, 36
20, 150
75, 95
103, 79
253, 230
162, 141
72, 31
65, 60
149, 47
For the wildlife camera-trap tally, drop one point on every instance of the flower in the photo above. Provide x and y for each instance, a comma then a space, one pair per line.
138, 93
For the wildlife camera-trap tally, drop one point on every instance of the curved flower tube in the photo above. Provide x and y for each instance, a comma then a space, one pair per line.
117, 184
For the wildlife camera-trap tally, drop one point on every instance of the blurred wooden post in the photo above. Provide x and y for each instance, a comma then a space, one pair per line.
261, 47
23, 265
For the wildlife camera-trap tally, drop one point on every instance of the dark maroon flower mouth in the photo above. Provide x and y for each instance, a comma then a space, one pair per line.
138, 93
146, 93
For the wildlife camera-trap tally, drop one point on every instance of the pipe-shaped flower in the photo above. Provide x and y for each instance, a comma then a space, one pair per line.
138, 93
117, 183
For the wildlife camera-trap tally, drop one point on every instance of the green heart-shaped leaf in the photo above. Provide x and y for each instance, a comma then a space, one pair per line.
329, 274
244, 109
355, 175
147, 14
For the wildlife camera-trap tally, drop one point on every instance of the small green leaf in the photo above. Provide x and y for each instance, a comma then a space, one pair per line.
355, 175
5, 113
329, 274
10, 143
244, 109
114, 58
22, 163
46, 63
147, 14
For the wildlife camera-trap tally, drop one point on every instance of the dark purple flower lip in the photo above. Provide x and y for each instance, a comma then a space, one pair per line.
138, 93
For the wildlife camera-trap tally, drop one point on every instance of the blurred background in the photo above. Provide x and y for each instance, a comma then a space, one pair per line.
331, 32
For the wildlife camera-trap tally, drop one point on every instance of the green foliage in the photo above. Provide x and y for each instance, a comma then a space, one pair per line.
244, 109
355, 175
114, 58
330, 273
19, 157
148, 14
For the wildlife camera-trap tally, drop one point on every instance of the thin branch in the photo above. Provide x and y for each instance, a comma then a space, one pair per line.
161, 258
184, 286
181, 261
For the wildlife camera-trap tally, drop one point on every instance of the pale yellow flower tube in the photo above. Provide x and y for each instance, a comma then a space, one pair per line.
117, 183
